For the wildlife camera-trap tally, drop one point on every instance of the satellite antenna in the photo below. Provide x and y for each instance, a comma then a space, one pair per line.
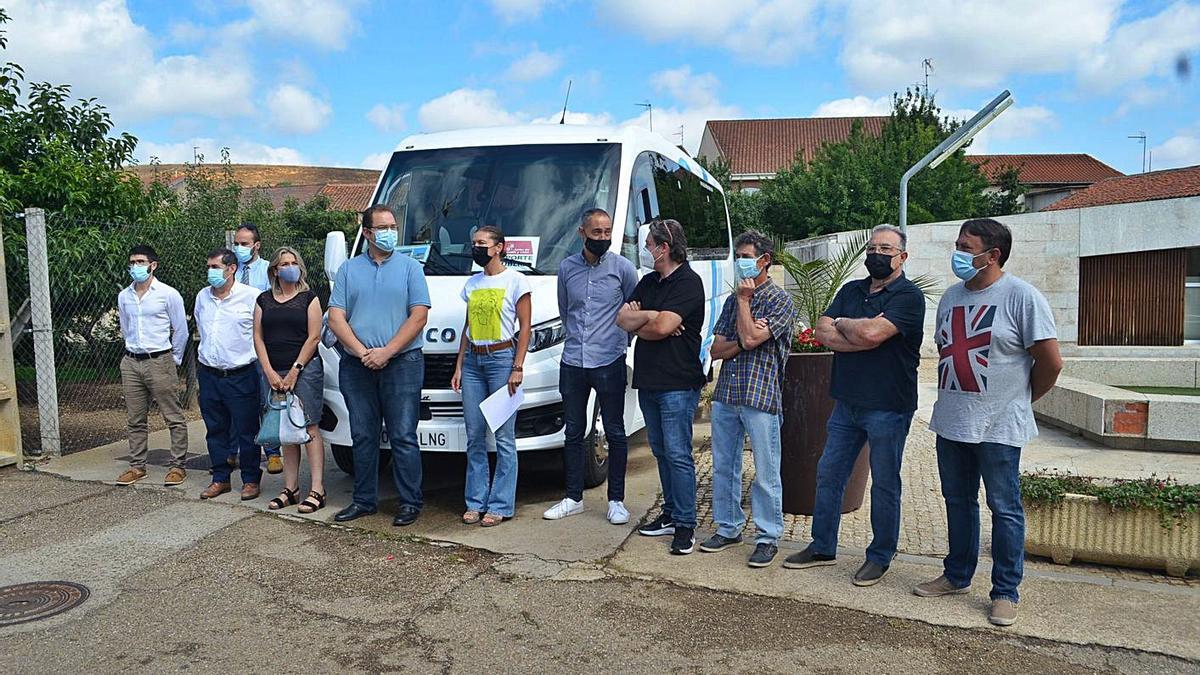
563, 119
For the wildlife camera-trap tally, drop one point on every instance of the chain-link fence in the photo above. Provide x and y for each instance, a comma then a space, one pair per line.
86, 266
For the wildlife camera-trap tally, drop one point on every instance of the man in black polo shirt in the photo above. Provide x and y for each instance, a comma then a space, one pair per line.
874, 327
666, 312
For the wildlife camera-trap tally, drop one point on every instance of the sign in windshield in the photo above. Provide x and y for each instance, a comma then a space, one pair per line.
536, 194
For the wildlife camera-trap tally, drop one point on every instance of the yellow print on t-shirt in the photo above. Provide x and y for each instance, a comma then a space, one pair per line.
483, 310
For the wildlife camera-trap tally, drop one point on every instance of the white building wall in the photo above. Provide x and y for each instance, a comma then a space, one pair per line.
1046, 249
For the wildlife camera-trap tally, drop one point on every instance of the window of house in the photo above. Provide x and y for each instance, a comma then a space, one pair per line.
1191, 297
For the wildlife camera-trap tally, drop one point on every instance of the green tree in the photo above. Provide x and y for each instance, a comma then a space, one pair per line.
745, 207
1008, 191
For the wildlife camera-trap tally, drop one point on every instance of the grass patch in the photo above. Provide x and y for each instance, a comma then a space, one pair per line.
1174, 391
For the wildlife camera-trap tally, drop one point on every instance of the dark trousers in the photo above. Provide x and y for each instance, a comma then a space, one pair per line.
229, 406
391, 396
575, 385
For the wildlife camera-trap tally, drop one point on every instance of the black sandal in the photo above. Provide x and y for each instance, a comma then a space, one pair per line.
314, 502
286, 498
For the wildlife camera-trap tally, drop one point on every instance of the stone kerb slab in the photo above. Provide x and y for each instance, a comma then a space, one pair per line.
1123, 419
1135, 372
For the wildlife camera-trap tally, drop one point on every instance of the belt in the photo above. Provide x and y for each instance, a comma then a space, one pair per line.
490, 349
226, 373
146, 355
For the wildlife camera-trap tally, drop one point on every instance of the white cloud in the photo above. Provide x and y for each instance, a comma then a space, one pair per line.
388, 118
296, 111
325, 23
858, 106
98, 49
668, 120
762, 31
585, 118
513, 11
1181, 150
687, 88
464, 108
240, 152
1015, 123
1143, 48
533, 66
974, 43
376, 160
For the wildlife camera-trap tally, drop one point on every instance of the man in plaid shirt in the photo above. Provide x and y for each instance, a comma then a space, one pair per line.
753, 337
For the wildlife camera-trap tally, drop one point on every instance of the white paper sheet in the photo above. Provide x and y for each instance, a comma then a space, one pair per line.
498, 407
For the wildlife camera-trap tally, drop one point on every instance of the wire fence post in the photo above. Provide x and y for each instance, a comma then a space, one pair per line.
43, 331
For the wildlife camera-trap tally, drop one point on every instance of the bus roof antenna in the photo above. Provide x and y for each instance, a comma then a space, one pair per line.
563, 119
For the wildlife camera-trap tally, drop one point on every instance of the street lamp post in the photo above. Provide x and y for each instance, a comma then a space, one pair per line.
951, 145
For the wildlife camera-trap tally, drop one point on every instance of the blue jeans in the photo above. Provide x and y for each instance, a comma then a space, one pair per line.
669, 416
482, 376
730, 426
574, 384
229, 407
960, 466
848, 428
391, 396
264, 392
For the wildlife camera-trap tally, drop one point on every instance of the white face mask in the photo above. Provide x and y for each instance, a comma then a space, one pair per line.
647, 259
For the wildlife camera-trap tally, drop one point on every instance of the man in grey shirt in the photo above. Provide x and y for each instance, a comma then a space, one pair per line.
592, 287
998, 354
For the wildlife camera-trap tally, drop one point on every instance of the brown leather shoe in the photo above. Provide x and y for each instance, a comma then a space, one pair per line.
250, 491
131, 476
175, 476
214, 490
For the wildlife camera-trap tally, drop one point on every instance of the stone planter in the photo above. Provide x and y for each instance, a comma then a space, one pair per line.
1083, 528
806, 408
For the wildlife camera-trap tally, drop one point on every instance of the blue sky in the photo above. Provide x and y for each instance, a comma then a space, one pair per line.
341, 83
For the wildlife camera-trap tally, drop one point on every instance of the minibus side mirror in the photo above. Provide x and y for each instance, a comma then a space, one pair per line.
335, 253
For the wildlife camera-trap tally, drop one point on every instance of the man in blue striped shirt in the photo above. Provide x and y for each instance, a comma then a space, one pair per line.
592, 287
753, 337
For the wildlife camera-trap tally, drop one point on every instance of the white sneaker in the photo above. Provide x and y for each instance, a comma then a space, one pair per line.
617, 513
567, 507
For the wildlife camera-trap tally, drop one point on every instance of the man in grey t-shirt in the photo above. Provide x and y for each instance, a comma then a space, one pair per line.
998, 354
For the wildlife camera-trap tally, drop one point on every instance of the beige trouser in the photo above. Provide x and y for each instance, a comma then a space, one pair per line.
152, 379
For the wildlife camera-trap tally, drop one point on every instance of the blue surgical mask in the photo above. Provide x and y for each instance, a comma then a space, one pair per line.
961, 261
216, 278
290, 274
243, 253
386, 240
139, 273
747, 268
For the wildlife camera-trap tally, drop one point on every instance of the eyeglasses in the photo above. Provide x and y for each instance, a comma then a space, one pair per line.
886, 249
379, 228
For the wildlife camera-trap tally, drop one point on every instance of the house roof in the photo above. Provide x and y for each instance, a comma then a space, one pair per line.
265, 175
349, 196
1142, 187
278, 196
769, 145
1061, 169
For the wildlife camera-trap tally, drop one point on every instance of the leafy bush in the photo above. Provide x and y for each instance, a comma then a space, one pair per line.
1174, 502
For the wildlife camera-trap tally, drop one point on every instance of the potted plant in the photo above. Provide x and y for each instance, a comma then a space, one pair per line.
807, 404
1150, 522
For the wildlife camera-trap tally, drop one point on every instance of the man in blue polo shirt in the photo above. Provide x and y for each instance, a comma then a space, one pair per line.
874, 327
378, 309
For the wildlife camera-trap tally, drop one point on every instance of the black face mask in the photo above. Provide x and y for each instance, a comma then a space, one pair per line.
597, 247
879, 265
480, 255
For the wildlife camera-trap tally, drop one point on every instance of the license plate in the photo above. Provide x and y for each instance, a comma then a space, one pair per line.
442, 439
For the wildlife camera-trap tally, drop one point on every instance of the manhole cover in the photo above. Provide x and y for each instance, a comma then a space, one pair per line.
38, 600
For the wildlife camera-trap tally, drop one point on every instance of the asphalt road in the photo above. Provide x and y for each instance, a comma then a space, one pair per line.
207, 587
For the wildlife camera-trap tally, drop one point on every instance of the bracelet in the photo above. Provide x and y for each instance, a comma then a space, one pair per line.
298, 366
517, 368
739, 343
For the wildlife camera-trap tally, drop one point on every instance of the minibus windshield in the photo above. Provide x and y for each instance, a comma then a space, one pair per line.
534, 193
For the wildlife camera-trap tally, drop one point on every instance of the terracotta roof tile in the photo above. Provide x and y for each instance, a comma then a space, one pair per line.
1066, 169
278, 196
349, 196
1142, 187
769, 145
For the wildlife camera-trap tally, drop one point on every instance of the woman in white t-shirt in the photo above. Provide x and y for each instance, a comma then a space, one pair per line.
490, 357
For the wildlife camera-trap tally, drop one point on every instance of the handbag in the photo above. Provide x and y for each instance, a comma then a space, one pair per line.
278, 425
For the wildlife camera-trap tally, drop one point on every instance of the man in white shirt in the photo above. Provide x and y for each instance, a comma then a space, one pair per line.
154, 325
229, 395
252, 271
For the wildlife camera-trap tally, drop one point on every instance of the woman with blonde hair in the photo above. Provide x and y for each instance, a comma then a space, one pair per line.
287, 330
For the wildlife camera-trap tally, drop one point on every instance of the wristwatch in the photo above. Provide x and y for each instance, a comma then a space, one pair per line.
298, 366
739, 343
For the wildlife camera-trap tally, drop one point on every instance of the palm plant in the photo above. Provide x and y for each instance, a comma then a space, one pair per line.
816, 282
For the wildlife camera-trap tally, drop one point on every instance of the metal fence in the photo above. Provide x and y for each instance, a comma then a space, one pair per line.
64, 275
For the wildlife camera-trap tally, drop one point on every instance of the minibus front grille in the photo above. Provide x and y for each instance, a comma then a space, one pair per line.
439, 369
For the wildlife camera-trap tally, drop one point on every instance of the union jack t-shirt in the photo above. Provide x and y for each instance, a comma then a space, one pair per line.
983, 339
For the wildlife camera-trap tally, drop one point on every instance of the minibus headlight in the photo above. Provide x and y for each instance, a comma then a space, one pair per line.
548, 334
